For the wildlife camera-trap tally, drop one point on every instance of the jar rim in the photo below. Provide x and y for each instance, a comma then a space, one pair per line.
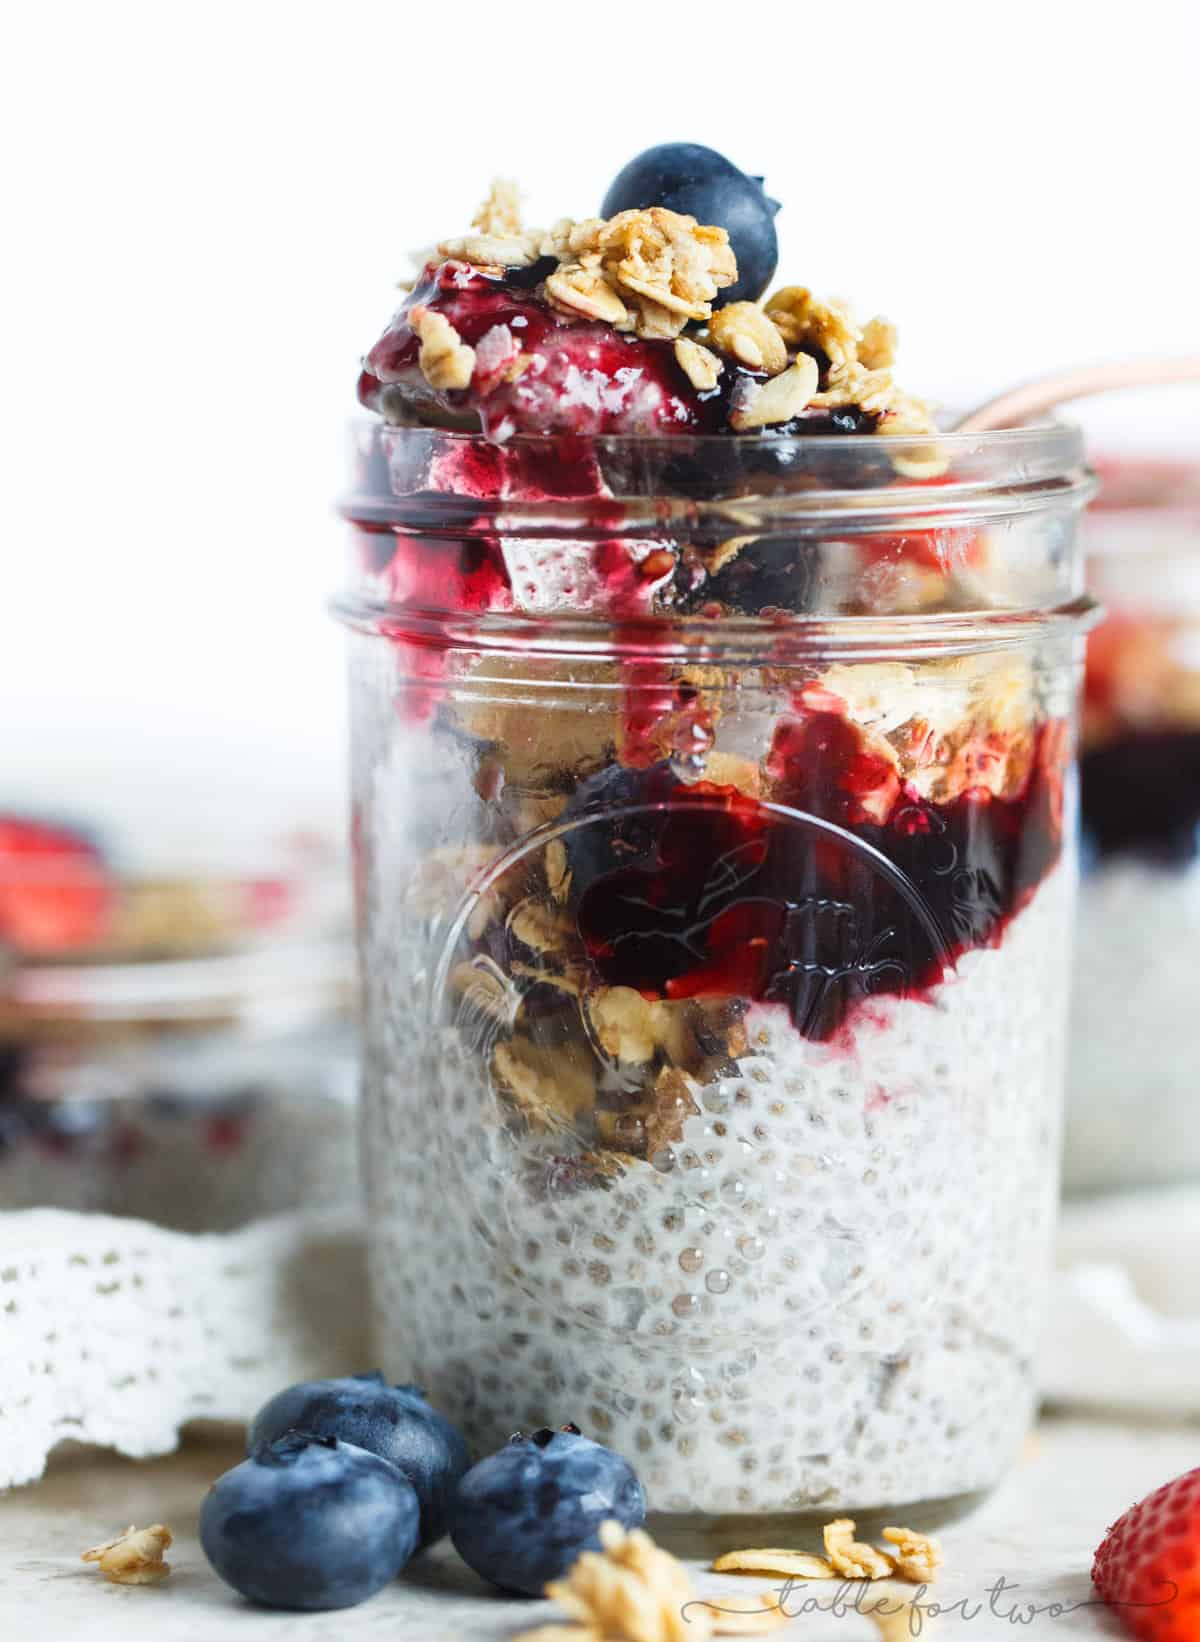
870, 493
858, 481
1054, 434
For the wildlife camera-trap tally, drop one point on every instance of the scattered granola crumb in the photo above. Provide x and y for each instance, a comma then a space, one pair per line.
787, 1564
445, 360
850, 1557
491, 250
631, 1591
134, 1557
917, 1556
500, 213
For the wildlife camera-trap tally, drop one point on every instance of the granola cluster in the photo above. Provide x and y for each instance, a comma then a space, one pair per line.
631, 1590
655, 274
602, 1066
914, 1557
134, 1557
650, 272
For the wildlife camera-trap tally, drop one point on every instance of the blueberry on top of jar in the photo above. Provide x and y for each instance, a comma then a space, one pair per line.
698, 182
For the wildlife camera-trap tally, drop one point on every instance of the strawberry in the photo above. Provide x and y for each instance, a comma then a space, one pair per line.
1148, 1564
54, 893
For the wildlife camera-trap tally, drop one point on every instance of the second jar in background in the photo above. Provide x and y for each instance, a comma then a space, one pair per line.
1135, 1040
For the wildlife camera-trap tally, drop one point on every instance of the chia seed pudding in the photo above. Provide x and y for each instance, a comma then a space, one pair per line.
712, 824
1131, 1111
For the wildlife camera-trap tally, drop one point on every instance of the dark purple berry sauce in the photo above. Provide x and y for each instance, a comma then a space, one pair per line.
686, 890
1140, 795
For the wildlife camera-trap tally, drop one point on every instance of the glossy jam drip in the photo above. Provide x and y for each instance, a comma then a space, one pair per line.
864, 889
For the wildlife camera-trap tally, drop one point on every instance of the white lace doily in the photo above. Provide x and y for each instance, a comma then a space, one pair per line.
1125, 1325
117, 1332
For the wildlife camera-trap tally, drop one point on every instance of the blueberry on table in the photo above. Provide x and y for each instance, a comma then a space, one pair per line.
393, 1421
698, 182
522, 1516
309, 1523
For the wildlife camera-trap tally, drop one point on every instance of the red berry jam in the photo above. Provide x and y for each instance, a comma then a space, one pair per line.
688, 890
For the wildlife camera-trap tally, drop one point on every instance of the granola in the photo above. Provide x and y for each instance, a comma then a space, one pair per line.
745, 332
917, 1557
445, 360
134, 1557
699, 364
647, 277
786, 1564
631, 1591
778, 400
850, 1557
500, 212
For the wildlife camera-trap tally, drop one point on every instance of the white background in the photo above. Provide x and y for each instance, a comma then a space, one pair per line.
208, 205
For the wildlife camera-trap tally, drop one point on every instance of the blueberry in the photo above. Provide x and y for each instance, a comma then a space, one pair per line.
522, 1516
701, 183
393, 1421
308, 1523
620, 811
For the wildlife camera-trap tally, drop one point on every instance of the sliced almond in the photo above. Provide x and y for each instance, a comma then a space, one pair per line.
748, 335
663, 295
787, 1564
700, 365
559, 1633
778, 400
587, 294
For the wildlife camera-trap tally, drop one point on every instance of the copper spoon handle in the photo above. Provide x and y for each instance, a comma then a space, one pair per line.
1048, 392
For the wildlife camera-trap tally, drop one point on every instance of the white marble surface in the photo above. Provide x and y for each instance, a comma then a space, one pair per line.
1038, 1532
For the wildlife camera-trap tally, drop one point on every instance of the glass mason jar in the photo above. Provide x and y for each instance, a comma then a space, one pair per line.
1135, 1034
713, 825
176, 1047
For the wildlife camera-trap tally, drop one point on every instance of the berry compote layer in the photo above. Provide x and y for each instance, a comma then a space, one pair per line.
714, 1007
